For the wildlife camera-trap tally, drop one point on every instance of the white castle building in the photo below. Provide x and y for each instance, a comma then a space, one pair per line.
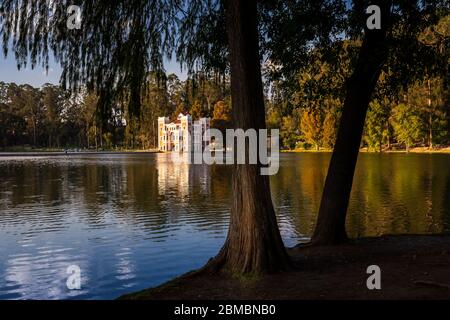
183, 135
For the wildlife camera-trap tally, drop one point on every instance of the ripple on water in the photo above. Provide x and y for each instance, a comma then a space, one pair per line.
134, 221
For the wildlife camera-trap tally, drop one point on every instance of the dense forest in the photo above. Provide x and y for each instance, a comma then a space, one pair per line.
50, 117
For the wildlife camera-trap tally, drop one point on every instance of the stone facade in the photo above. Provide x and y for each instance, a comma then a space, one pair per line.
183, 135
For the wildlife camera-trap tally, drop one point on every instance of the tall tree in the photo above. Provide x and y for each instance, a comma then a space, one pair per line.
376, 128
329, 128
330, 227
253, 244
407, 124
31, 104
51, 98
311, 126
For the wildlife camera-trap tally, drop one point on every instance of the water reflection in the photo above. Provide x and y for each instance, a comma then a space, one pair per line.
132, 221
179, 178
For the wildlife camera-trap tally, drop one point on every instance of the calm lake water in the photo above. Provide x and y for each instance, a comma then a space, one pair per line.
132, 221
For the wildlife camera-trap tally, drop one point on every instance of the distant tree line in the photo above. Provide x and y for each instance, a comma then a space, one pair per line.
45, 117
50, 117
307, 116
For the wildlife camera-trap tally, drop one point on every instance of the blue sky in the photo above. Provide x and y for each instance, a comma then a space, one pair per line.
38, 76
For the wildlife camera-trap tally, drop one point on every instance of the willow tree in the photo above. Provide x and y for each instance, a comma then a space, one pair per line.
118, 42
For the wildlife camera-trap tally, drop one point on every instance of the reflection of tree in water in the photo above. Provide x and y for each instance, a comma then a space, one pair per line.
181, 178
368, 212
31, 194
195, 193
397, 194
297, 189
30, 182
392, 193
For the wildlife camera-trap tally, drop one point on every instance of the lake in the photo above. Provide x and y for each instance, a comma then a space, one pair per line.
131, 221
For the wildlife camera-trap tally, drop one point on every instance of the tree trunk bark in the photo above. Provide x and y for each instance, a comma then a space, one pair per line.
253, 244
330, 227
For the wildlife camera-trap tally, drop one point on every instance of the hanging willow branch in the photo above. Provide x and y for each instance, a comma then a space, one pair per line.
118, 43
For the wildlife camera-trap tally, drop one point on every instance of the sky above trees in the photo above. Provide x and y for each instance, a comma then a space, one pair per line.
39, 76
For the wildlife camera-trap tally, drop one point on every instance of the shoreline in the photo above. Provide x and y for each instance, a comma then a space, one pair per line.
421, 150
412, 267
44, 153
72, 153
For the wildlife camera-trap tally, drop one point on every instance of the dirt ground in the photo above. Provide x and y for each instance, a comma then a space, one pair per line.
412, 267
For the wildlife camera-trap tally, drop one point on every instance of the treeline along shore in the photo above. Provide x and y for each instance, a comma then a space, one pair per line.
50, 118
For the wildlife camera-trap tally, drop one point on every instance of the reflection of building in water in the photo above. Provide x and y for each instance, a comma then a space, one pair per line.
181, 177
183, 135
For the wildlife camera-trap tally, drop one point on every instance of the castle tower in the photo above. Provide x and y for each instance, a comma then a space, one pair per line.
162, 136
186, 130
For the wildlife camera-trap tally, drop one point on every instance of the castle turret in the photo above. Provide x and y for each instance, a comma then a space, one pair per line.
162, 136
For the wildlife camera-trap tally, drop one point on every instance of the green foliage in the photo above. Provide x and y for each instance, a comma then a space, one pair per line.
54, 118
310, 48
118, 43
157, 100
291, 28
311, 127
418, 51
273, 119
407, 124
222, 118
196, 110
329, 129
321, 84
376, 130
430, 97
289, 133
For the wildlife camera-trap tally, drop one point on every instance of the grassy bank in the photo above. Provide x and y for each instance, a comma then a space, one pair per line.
365, 150
19, 151
412, 267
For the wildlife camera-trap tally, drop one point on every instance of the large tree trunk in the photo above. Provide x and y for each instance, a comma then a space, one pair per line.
253, 244
330, 227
